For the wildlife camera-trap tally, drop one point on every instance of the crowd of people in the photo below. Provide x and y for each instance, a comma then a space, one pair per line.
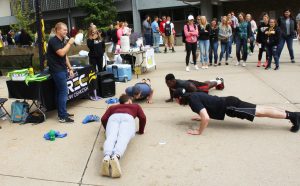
270, 36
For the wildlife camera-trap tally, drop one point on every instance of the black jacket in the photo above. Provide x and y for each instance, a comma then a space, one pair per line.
282, 26
260, 38
202, 34
272, 39
214, 33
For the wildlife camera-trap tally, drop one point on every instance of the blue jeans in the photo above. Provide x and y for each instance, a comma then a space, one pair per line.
204, 50
148, 39
213, 50
289, 42
241, 42
272, 52
156, 39
230, 42
224, 48
60, 81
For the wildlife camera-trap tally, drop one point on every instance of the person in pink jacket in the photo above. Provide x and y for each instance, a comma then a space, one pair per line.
191, 35
120, 32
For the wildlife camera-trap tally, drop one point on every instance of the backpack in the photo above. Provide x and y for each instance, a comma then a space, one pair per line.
19, 111
168, 29
183, 34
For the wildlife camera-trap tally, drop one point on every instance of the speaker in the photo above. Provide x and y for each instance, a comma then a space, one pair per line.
106, 84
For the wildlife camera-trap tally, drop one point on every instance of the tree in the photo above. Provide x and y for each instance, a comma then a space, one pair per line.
23, 14
100, 12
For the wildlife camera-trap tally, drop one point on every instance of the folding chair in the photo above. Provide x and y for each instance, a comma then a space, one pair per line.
2, 101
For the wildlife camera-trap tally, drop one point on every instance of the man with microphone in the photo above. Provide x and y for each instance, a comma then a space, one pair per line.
60, 68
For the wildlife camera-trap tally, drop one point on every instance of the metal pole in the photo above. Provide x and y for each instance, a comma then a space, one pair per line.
69, 18
38, 15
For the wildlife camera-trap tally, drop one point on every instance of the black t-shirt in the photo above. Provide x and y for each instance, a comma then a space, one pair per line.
97, 47
55, 62
215, 106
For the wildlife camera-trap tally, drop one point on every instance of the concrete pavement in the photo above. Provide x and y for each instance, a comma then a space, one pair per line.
230, 152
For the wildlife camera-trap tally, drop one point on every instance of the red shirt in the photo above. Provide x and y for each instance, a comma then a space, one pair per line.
161, 26
132, 109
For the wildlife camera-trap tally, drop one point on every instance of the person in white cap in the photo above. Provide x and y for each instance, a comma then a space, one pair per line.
191, 35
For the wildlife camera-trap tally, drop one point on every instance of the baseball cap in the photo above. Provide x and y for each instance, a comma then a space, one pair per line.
191, 17
179, 92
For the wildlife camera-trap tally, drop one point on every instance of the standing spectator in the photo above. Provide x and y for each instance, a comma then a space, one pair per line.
156, 35
161, 27
204, 31
97, 48
1, 43
191, 35
126, 30
272, 40
288, 27
10, 38
73, 32
120, 32
214, 43
52, 33
260, 38
17, 37
253, 33
59, 66
147, 30
298, 25
114, 36
230, 42
25, 39
109, 33
169, 37
243, 33
235, 24
225, 34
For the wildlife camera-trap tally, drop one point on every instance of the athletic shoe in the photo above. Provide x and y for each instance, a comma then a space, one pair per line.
276, 68
215, 64
219, 64
210, 64
243, 64
206, 66
267, 68
265, 64
258, 64
65, 120
293, 61
220, 86
187, 68
296, 122
230, 56
70, 115
237, 63
203, 67
226, 63
115, 167
165, 50
196, 67
105, 166
173, 50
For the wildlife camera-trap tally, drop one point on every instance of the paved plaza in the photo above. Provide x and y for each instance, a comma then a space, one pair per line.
230, 152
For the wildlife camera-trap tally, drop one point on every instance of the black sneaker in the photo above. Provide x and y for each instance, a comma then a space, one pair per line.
293, 61
70, 115
276, 68
165, 50
296, 122
65, 120
226, 63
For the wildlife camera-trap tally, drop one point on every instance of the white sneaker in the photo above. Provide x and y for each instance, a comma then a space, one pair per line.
203, 67
196, 67
237, 63
115, 167
105, 166
187, 68
206, 66
244, 64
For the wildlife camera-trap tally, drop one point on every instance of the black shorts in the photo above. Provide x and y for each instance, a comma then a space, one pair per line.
237, 108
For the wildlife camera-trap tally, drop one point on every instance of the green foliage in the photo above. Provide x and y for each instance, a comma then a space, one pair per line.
100, 12
23, 14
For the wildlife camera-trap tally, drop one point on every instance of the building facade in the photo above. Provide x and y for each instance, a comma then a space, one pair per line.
134, 11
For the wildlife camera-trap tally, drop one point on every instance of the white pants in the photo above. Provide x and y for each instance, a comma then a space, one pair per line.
120, 129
